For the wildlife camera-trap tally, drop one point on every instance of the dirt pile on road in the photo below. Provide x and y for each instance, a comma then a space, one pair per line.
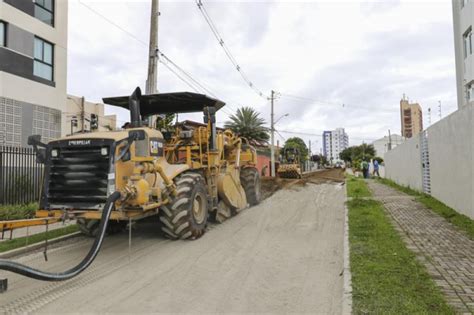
271, 185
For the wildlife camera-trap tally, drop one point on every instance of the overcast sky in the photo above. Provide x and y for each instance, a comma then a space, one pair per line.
364, 55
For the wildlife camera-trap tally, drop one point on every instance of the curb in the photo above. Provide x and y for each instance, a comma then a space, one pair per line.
347, 294
25, 249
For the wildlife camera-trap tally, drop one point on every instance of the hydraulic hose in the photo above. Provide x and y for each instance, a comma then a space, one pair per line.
68, 274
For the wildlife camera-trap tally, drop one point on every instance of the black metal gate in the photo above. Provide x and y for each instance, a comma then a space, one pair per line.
20, 175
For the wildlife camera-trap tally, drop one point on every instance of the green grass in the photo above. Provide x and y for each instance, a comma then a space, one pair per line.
386, 277
15, 212
461, 221
36, 238
357, 188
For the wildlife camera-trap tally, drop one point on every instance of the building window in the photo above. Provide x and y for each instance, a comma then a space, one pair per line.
44, 11
3, 34
44, 56
470, 93
467, 41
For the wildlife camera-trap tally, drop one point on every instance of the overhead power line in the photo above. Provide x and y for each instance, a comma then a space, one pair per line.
226, 49
172, 66
326, 103
186, 74
113, 23
320, 135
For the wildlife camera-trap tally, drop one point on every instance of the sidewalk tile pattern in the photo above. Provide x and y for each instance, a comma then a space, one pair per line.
447, 253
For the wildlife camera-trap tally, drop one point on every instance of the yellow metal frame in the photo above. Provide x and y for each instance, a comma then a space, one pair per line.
17, 224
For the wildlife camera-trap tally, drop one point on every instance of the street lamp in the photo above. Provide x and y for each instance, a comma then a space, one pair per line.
286, 115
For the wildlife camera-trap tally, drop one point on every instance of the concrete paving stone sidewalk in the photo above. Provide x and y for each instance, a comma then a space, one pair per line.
447, 253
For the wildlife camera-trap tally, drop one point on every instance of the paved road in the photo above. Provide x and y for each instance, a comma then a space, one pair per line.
285, 255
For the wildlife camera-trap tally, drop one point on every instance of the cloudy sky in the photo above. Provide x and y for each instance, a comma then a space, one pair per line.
334, 63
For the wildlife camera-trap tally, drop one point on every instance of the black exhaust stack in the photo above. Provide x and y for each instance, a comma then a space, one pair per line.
134, 106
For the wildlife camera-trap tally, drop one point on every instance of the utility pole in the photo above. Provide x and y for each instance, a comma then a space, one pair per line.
389, 140
151, 82
83, 115
440, 110
272, 131
429, 116
309, 157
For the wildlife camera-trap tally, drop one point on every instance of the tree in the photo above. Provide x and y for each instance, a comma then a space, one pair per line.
247, 123
299, 144
324, 160
358, 153
165, 122
347, 154
316, 158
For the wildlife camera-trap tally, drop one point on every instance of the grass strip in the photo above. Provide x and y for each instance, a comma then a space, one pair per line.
36, 238
386, 276
17, 212
356, 187
459, 220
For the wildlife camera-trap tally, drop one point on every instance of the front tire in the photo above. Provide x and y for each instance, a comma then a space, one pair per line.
185, 217
250, 181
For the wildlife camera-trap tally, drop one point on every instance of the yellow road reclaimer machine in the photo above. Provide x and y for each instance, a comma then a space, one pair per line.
106, 179
290, 164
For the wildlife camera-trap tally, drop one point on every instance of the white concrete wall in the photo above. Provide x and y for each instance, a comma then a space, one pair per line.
451, 153
403, 164
450, 144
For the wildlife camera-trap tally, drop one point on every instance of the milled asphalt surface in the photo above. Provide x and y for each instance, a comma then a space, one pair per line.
285, 255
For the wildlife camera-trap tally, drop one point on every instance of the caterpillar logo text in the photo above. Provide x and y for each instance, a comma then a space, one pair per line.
79, 142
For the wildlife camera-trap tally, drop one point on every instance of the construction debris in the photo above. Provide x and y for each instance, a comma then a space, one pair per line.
271, 185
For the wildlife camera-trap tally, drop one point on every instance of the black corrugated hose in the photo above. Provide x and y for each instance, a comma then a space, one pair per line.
68, 274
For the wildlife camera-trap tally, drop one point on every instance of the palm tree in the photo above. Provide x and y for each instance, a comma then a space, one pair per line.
248, 124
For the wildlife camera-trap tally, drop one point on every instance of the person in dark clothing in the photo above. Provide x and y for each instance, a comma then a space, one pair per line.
376, 168
365, 168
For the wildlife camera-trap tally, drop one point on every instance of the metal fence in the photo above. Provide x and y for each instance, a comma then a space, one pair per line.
20, 175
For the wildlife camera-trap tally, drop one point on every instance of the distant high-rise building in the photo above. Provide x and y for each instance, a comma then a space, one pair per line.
411, 118
463, 20
334, 142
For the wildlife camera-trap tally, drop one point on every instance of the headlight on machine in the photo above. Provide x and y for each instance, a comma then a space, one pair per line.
55, 153
104, 151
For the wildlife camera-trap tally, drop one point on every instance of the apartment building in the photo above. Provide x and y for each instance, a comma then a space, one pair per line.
463, 18
33, 69
411, 118
334, 142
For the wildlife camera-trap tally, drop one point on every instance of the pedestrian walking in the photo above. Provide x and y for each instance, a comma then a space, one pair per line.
365, 168
376, 168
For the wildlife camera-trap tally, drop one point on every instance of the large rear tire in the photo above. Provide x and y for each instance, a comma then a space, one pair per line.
250, 181
185, 217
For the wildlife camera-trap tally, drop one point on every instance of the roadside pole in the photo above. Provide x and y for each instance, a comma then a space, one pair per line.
272, 130
83, 115
152, 78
